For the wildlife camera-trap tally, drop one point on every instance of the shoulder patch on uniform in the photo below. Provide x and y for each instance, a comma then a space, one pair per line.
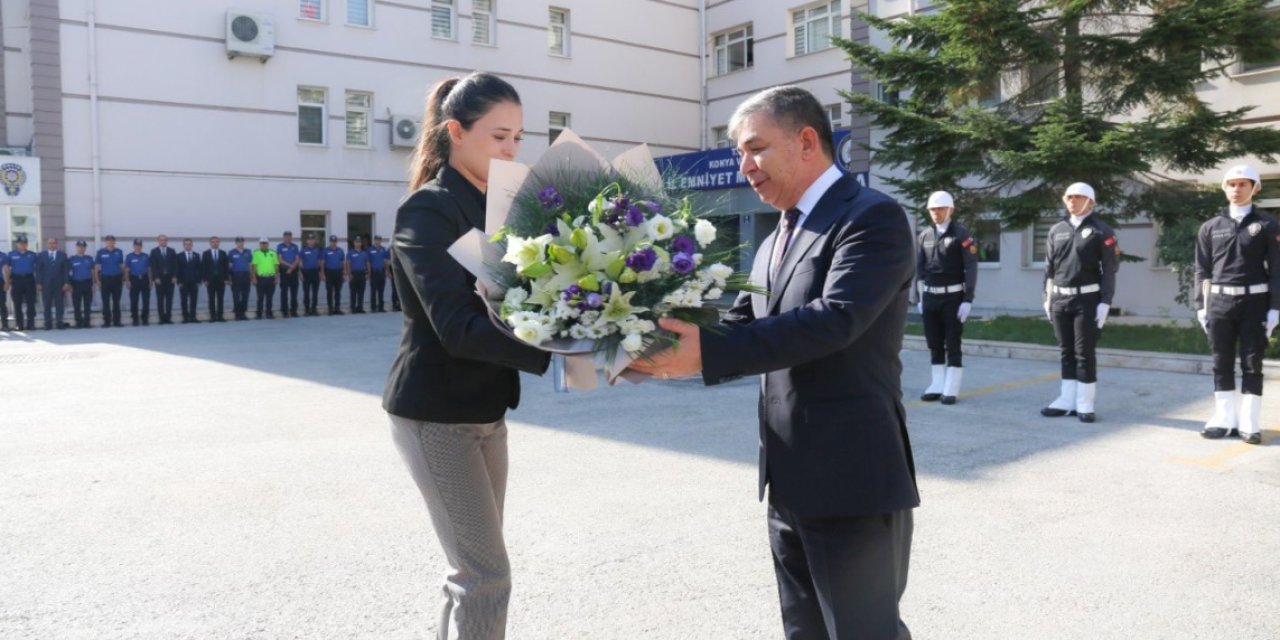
1109, 241
966, 243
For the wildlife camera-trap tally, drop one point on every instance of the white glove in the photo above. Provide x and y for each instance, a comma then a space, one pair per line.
920, 308
1048, 314
1273, 319
1103, 309
963, 313
1203, 316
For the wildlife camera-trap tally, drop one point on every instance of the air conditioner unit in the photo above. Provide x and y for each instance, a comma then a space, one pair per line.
14, 151
404, 131
250, 34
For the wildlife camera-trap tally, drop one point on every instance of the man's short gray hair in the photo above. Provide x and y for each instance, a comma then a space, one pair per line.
792, 108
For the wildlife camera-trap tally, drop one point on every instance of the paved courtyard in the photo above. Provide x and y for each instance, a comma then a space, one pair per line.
238, 481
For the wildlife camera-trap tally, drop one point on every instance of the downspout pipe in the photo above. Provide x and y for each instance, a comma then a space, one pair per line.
95, 156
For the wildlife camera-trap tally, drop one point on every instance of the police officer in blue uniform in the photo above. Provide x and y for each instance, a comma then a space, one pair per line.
110, 261
358, 274
80, 272
290, 261
241, 263
21, 283
310, 257
377, 275
137, 266
335, 264
4, 291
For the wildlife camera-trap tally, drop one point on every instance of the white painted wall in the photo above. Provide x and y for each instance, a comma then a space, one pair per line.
17, 74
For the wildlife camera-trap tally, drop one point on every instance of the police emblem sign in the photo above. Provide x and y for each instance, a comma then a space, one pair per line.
19, 180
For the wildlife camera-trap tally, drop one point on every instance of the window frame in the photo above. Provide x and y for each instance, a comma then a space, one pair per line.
323, 105
717, 139
368, 12
746, 37
565, 25
321, 8
989, 218
554, 131
1029, 243
452, 7
367, 111
491, 20
799, 31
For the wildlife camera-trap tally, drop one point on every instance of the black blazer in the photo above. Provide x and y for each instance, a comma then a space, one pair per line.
163, 263
189, 272
215, 270
833, 433
52, 273
454, 365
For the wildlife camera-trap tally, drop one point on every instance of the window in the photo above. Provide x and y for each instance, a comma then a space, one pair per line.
1039, 236
557, 124
359, 118
734, 50
311, 9
558, 32
720, 137
990, 92
1042, 81
442, 19
360, 13
315, 224
813, 27
986, 232
311, 115
835, 115
482, 22
24, 220
891, 97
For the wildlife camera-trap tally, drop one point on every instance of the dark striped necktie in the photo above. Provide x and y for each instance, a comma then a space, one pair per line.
783, 240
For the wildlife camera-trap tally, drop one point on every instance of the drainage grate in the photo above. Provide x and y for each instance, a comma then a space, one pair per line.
37, 358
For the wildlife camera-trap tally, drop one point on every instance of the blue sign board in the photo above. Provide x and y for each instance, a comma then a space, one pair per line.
718, 168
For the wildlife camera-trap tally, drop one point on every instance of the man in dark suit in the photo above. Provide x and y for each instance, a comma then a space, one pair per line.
189, 275
216, 270
164, 268
51, 280
834, 450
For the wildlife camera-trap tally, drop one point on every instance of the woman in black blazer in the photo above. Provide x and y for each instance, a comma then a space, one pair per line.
456, 374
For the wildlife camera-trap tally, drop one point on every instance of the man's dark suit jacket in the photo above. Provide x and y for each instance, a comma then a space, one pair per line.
215, 270
833, 434
164, 263
453, 365
189, 273
52, 273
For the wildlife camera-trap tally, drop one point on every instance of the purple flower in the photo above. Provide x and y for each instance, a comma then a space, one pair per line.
642, 260
594, 300
608, 288
655, 207
550, 198
573, 291
682, 263
635, 217
684, 244
552, 229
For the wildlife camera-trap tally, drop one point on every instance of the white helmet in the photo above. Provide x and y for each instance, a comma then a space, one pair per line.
1242, 172
1079, 189
940, 199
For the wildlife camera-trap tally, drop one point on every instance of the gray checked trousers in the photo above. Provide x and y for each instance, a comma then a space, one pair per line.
461, 470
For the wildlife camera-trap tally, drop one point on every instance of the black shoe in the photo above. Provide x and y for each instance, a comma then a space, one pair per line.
1253, 438
135, 322
118, 324
258, 315
931, 397
395, 307
271, 316
1088, 417
146, 323
5, 328
1050, 412
338, 312
1216, 433
948, 399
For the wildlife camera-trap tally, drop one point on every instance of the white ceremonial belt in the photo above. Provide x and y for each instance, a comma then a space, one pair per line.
1229, 290
955, 288
1075, 291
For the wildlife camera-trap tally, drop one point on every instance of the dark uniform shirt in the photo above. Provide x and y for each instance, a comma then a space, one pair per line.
137, 264
310, 257
359, 259
947, 259
80, 268
1239, 254
333, 258
240, 260
22, 263
288, 253
1081, 256
110, 261
377, 258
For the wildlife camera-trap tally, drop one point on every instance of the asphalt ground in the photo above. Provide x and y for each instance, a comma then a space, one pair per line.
238, 481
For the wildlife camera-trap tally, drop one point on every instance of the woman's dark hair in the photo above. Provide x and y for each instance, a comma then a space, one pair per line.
466, 100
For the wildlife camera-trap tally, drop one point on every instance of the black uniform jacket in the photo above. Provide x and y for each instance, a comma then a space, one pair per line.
454, 365
1081, 256
1241, 254
947, 259
833, 432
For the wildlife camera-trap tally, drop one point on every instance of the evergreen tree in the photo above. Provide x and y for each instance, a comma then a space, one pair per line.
1006, 102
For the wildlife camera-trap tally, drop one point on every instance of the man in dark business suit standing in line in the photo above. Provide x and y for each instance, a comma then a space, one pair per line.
52, 272
834, 450
164, 269
190, 272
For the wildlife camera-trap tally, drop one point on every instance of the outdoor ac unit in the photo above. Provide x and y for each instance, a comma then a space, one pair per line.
14, 151
404, 131
250, 34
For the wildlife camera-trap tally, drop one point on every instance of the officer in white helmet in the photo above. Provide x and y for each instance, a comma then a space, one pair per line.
1081, 260
1237, 297
946, 275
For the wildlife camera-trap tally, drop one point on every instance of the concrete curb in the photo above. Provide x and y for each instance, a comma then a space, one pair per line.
1122, 358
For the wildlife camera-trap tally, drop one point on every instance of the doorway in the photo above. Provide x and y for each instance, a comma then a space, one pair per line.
359, 224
